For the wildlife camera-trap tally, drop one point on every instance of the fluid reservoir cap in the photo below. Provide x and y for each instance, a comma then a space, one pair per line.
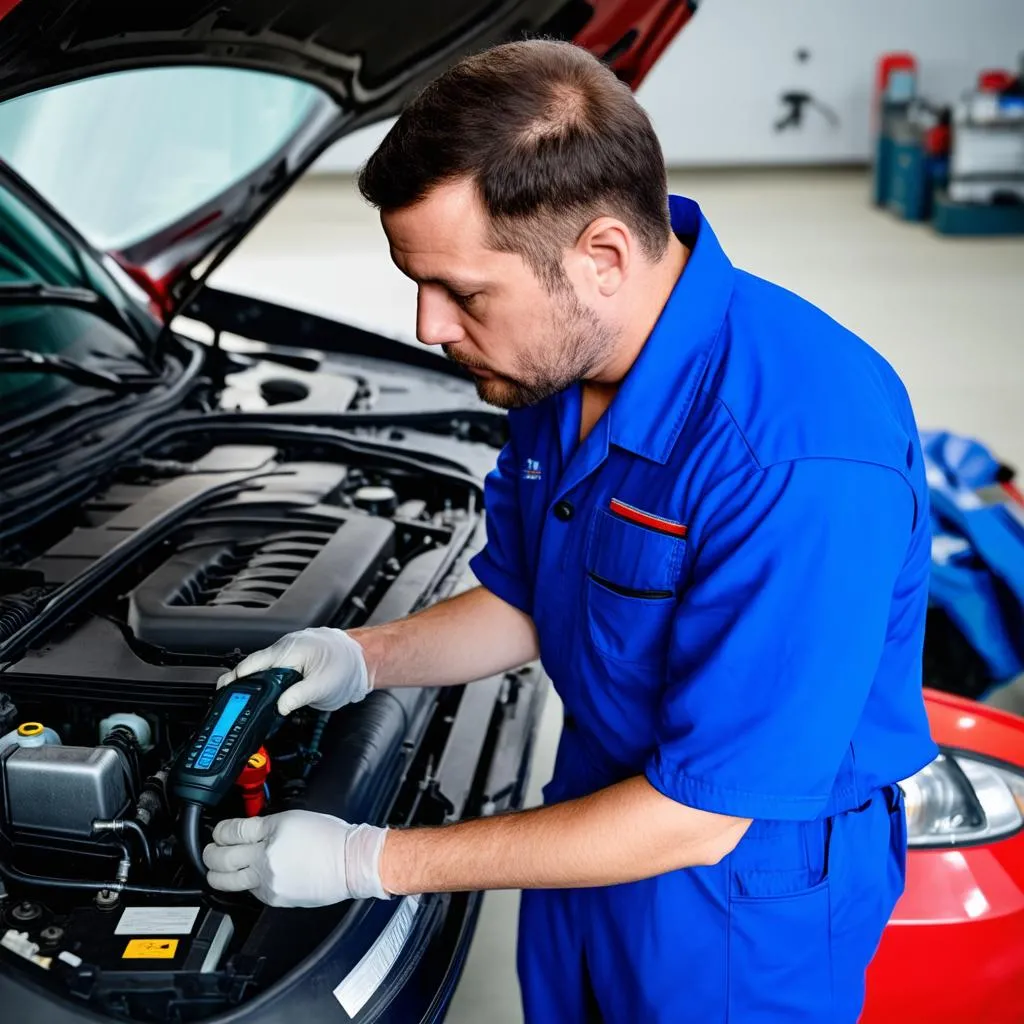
136, 723
378, 500
29, 734
258, 760
35, 734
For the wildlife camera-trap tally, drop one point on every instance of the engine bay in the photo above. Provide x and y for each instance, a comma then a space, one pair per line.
195, 554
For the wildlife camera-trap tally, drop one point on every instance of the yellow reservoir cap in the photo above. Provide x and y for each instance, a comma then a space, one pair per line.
257, 760
30, 728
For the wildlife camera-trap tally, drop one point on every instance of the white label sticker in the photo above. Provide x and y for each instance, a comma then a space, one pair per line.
355, 990
157, 921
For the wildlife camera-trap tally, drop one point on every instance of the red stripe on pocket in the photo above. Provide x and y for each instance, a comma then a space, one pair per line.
653, 522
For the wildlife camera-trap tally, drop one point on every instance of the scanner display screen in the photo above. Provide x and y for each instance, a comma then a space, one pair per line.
228, 717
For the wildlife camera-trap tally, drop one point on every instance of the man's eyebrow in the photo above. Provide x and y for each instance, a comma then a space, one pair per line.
452, 284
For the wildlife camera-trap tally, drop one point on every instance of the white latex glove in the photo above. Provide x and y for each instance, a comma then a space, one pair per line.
296, 859
333, 667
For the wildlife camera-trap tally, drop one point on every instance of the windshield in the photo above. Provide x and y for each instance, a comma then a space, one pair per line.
30, 251
124, 155
33, 253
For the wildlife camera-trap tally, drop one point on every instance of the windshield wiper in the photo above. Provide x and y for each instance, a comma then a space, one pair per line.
23, 292
32, 293
14, 360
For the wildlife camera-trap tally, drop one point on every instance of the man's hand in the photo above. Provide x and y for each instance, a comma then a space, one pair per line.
296, 859
333, 667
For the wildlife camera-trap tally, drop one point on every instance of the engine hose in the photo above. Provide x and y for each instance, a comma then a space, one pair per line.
18, 609
13, 875
190, 837
313, 751
151, 798
126, 743
128, 825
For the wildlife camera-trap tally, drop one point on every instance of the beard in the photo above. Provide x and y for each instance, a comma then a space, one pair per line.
577, 342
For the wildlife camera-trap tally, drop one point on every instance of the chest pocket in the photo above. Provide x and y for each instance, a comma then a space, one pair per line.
631, 588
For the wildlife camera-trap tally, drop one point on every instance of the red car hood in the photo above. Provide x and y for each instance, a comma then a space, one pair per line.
367, 59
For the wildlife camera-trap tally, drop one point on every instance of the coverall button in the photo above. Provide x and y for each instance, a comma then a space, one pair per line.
563, 510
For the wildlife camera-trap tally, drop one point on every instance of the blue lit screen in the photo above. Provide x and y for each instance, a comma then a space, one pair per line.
228, 717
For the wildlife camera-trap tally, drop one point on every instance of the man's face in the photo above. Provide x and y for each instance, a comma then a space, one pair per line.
487, 309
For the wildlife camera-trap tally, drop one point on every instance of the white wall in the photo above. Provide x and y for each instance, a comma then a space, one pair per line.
714, 95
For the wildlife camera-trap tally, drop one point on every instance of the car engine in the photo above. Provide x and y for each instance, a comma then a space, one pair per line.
115, 623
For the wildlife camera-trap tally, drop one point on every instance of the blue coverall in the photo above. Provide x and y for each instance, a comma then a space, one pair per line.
729, 578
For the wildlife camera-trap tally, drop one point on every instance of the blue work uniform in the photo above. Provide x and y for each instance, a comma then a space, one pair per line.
729, 579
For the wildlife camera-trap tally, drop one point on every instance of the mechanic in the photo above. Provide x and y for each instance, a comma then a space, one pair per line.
710, 523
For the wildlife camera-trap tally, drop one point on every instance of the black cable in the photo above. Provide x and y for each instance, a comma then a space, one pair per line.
312, 753
13, 875
190, 837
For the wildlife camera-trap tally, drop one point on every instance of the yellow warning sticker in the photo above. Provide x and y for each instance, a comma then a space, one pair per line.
150, 949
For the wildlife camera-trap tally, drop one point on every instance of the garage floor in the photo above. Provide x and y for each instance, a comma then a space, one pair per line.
949, 315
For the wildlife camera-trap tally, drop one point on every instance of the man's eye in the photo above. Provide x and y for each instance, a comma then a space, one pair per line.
464, 300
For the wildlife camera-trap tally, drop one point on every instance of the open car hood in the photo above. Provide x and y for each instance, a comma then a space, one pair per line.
366, 60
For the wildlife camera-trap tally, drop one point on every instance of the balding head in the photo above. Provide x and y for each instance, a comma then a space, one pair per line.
551, 139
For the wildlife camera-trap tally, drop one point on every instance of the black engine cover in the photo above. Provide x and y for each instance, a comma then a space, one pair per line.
284, 552
245, 584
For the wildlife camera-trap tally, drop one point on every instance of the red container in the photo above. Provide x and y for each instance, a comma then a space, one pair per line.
995, 80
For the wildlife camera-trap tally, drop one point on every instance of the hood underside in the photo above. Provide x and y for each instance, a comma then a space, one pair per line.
360, 54
367, 56
367, 61
363, 55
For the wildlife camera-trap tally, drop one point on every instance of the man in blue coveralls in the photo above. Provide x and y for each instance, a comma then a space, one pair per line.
710, 522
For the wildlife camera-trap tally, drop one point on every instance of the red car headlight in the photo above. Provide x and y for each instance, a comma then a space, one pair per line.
960, 799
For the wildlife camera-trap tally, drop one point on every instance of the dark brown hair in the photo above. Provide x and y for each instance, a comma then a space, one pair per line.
550, 136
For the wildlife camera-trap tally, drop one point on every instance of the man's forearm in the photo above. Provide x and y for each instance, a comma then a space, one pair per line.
467, 637
619, 834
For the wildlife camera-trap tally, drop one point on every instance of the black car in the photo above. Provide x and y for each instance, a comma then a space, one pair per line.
169, 504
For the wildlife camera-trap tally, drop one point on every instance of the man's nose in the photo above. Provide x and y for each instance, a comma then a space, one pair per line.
436, 320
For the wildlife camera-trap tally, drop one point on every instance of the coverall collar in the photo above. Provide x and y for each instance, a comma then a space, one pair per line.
656, 394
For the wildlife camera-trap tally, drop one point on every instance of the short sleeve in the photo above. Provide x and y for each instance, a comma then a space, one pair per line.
777, 641
501, 565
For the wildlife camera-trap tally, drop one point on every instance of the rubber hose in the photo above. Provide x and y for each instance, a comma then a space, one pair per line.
151, 799
190, 838
136, 829
13, 875
126, 744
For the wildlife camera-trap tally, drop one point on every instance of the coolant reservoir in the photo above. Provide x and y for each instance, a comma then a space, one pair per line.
136, 723
29, 734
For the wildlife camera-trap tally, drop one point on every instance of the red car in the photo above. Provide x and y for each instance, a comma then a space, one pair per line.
953, 952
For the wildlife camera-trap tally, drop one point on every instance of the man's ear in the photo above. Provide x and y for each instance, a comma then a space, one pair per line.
607, 246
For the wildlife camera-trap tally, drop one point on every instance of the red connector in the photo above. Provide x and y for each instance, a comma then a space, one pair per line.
252, 782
